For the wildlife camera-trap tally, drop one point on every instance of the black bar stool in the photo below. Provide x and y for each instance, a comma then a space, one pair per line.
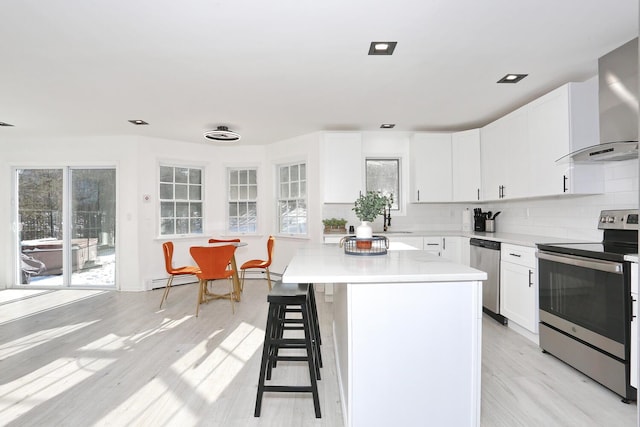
284, 299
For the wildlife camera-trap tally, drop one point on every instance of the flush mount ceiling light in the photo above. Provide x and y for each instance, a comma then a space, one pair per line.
138, 122
512, 78
387, 126
5, 124
382, 48
222, 133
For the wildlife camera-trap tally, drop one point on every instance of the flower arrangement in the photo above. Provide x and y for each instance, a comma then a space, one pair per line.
368, 206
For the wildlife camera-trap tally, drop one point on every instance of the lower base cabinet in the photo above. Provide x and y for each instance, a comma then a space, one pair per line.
518, 286
452, 248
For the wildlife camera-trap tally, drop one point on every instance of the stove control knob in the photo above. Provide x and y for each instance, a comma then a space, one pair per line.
603, 219
611, 219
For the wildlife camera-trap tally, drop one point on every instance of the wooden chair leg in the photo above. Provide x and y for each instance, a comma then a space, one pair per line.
242, 281
165, 294
201, 285
231, 295
268, 277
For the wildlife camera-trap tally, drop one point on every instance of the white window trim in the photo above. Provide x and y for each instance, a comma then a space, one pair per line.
229, 168
287, 163
179, 164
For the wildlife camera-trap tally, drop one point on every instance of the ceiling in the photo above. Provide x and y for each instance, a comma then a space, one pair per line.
272, 70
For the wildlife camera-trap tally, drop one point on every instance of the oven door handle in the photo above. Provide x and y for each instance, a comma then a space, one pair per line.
606, 266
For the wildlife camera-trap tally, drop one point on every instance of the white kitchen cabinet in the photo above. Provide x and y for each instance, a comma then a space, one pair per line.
451, 248
413, 241
432, 244
430, 167
465, 251
504, 157
342, 165
465, 152
518, 286
634, 325
560, 122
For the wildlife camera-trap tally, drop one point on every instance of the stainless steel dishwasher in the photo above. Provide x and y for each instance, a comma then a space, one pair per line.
485, 256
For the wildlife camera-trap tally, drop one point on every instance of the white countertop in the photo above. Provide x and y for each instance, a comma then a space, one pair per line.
325, 263
511, 238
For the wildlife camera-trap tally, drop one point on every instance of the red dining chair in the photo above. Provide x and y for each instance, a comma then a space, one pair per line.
213, 261
167, 249
259, 263
224, 240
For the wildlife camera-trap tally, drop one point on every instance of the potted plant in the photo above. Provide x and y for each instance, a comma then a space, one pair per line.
367, 207
335, 225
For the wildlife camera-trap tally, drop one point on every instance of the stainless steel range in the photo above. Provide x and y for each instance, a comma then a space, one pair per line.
585, 301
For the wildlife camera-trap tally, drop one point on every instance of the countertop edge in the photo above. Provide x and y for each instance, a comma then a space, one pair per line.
509, 238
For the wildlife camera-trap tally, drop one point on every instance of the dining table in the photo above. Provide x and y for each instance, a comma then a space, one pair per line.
235, 278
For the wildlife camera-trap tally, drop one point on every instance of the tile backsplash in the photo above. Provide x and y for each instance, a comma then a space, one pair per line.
572, 217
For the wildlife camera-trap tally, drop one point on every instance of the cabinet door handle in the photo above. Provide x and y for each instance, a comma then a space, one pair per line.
478, 194
432, 244
530, 278
633, 316
418, 195
564, 183
515, 255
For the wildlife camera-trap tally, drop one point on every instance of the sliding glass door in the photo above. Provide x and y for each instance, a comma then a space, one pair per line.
66, 227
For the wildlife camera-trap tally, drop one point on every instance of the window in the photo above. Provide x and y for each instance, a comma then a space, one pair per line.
292, 199
243, 196
180, 200
383, 175
53, 253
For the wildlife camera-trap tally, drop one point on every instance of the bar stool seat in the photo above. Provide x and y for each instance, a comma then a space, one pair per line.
285, 299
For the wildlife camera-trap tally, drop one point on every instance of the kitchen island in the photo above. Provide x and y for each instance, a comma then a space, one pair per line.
408, 334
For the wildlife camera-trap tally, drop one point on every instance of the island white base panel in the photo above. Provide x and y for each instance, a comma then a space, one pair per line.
409, 354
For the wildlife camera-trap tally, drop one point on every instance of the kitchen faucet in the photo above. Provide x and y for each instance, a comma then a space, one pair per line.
386, 219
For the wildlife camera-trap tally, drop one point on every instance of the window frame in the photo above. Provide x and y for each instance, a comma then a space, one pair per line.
300, 199
247, 200
175, 200
397, 195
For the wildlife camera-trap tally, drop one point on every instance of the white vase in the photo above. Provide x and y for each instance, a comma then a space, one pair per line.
364, 231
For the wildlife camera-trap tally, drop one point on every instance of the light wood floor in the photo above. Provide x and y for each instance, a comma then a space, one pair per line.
80, 358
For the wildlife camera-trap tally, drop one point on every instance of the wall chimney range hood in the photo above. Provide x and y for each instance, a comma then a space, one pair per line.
618, 105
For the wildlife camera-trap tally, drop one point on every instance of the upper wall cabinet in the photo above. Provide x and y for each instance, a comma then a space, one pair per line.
560, 122
465, 149
341, 166
430, 168
519, 151
505, 157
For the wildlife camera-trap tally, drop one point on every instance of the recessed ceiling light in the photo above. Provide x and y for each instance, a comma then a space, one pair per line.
382, 48
512, 78
138, 122
5, 124
387, 126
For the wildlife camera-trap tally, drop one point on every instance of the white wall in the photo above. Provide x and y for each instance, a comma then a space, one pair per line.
87, 151
305, 148
214, 159
139, 253
571, 217
136, 159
